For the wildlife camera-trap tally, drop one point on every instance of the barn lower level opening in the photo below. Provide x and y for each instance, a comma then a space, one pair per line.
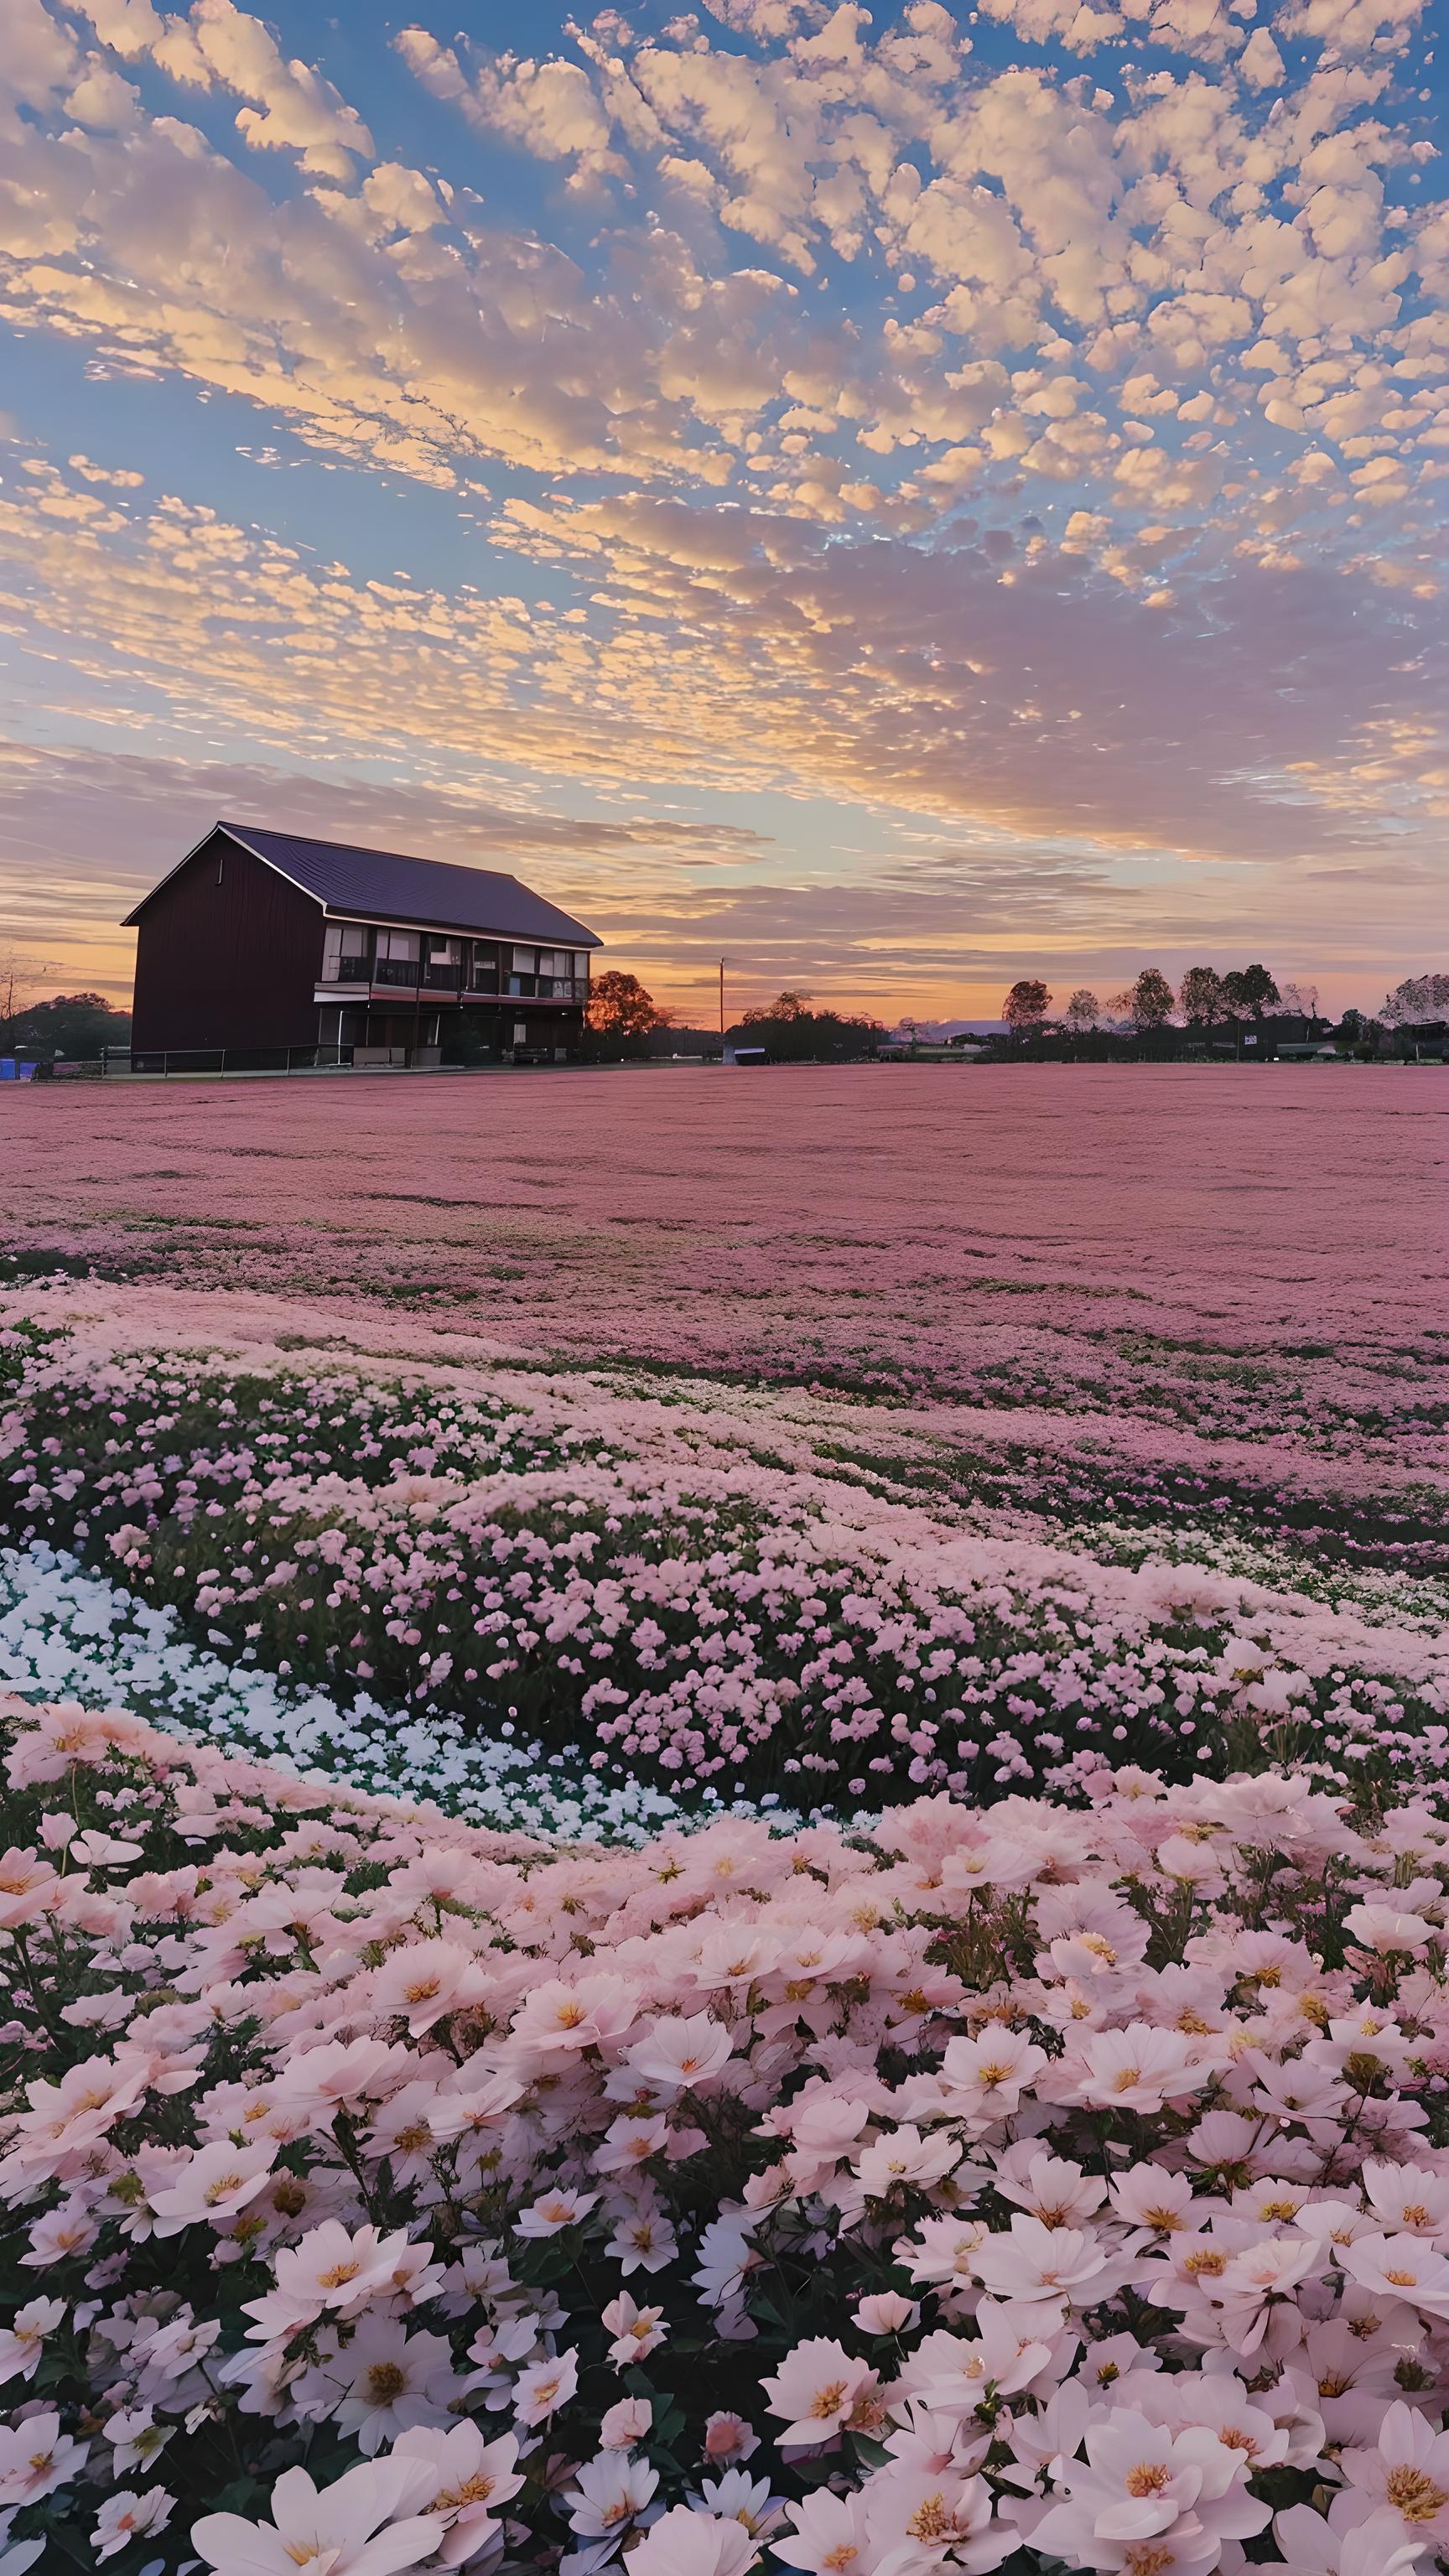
360, 1033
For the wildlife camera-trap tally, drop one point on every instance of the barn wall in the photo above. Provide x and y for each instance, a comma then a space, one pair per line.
227, 965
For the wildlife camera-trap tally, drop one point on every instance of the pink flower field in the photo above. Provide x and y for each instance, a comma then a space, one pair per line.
1220, 1248
728, 1802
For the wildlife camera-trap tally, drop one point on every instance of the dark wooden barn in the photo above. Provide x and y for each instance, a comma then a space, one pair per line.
265, 943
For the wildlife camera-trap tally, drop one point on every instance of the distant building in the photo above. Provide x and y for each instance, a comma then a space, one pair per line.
262, 941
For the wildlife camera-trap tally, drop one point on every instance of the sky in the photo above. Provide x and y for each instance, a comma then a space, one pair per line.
895, 498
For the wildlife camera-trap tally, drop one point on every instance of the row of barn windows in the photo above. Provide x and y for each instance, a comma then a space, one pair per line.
355, 952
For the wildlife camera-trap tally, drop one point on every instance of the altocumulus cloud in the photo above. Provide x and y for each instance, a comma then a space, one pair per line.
1036, 422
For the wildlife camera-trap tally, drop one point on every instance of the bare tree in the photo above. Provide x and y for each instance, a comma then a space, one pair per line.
1420, 997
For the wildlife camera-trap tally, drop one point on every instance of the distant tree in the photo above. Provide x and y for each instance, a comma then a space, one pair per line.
619, 1007
1200, 996
1151, 1002
785, 1006
1083, 1011
69, 1024
1303, 998
1026, 1007
1422, 997
804, 1037
1249, 991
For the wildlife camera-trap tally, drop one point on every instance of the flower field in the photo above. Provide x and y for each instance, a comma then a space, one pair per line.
641, 1934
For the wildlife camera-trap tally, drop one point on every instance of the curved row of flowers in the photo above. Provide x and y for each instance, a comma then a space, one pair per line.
1021, 2185
530, 1553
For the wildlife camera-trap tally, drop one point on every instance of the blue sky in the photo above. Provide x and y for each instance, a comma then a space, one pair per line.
898, 498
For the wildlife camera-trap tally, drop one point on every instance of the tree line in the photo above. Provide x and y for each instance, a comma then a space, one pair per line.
623, 1016
1204, 999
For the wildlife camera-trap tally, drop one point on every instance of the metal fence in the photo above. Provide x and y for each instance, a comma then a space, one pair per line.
131, 1063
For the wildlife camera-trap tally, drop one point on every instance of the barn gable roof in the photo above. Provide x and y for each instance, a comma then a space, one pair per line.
361, 884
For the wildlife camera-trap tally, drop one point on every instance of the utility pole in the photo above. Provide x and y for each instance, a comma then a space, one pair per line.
721, 1010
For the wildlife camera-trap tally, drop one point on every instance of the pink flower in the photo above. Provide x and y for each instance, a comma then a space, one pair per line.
886, 2312
984, 2078
425, 1980
1032, 2262
81, 2108
127, 2516
636, 2331
827, 2536
1385, 1929
545, 2386
337, 2531
335, 2269
22, 2344
624, 2424
1312, 2547
36, 2458
918, 2521
678, 2055
1136, 2069
1140, 2484
1400, 2267
474, 2479
220, 2180
394, 2380
29, 1887
609, 2494
905, 2157
728, 2438
557, 2019
1408, 2470
340, 2075
682, 2543
817, 2389
554, 2211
